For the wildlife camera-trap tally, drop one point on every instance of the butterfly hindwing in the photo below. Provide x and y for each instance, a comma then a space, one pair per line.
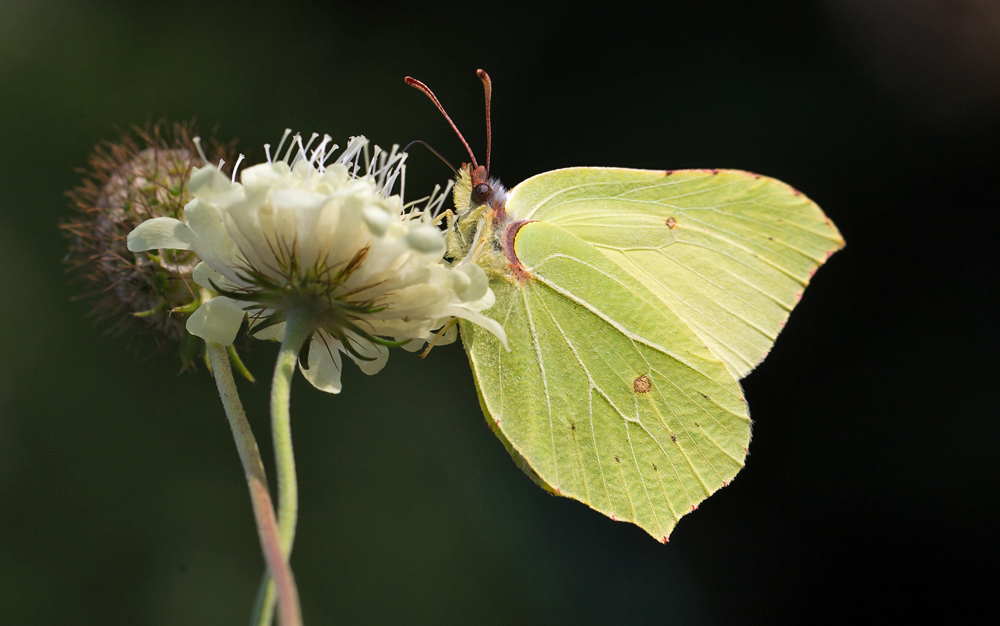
606, 394
728, 251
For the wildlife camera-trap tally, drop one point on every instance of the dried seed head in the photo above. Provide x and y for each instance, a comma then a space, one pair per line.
142, 176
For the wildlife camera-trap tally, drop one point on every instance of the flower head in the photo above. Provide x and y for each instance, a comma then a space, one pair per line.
328, 240
142, 176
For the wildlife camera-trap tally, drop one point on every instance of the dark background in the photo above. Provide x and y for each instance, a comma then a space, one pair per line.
871, 491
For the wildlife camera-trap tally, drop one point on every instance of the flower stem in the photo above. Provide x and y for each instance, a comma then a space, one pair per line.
260, 497
297, 330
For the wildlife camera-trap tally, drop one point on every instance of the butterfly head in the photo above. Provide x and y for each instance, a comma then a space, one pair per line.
483, 190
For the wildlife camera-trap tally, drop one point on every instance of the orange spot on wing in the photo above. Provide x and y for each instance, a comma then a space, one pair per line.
642, 384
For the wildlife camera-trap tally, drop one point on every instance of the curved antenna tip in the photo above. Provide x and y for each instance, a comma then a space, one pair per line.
419, 86
488, 88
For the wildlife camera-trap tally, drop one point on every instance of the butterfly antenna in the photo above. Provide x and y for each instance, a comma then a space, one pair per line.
416, 84
428, 146
488, 88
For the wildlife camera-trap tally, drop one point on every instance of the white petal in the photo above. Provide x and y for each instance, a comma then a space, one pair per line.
343, 232
475, 284
380, 354
426, 239
275, 333
243, 225
488, 300
204, 275
210, 184
414, 345
460, 281
479, 319
214, 245
263, 176
217, 320
449, 336
160, 232
382, 253
324, 363
335, 176
378, 220
296, 200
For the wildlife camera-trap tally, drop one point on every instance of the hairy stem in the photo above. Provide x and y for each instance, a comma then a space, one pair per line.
297, 330
260, 497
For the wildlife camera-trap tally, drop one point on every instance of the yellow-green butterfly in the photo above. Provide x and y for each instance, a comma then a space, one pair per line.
634, 301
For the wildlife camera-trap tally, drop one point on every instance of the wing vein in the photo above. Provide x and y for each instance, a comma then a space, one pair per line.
545, 383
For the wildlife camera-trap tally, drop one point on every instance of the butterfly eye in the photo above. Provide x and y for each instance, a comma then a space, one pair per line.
480, 193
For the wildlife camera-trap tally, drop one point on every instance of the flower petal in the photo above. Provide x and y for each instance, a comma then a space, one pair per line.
324, 363
276, 332
471, 283
448, 336
426, 239
261, 177
212, 243
208, 183
377, 219
379, 353
487, 301
479, 319
160, 232
217, 320
204, 276
413, 345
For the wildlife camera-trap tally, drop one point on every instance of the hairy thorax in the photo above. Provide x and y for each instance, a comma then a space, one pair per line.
481, 229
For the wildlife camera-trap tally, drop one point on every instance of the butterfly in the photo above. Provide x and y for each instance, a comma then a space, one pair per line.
634, 301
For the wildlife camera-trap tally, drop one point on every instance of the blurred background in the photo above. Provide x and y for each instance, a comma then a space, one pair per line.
871, 490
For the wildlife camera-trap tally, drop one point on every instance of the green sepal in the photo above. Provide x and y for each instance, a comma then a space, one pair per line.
236, 295
153, 311
274, 319
188, 308
341, 336
388, 343
238, 365
189, 348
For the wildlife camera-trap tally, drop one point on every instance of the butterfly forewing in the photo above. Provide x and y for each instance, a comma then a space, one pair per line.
606, 393
728, 251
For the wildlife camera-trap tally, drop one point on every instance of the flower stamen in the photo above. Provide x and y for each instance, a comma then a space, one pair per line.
237, 166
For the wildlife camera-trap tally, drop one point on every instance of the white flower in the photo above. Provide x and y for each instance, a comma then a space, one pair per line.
328, 239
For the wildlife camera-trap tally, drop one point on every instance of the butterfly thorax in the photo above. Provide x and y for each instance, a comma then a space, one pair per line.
481, 226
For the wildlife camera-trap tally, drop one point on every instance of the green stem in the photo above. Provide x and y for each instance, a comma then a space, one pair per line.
260, 498
298, 328
263, 607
